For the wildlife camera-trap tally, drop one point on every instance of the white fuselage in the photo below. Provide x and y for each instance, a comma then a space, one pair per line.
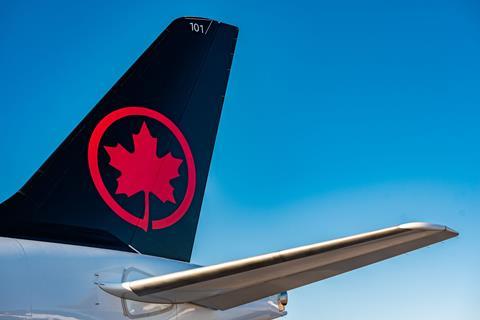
43, 280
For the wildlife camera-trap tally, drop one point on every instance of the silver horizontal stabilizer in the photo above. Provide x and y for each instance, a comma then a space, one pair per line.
226, 285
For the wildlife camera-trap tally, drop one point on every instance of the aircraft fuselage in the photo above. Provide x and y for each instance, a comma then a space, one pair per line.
60, 281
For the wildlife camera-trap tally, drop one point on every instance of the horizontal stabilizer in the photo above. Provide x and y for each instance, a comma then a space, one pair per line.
231, 284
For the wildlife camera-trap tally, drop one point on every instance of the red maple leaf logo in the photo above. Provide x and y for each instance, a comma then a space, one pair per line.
143, 171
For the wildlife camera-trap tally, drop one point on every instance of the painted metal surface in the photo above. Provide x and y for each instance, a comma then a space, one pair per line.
42, 280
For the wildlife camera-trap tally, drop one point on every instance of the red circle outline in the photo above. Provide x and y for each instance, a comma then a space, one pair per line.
93, 147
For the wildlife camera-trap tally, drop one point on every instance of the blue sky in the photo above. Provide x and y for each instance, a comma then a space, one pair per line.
340, 117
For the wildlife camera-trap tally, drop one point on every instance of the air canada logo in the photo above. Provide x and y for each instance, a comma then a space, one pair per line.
142, 167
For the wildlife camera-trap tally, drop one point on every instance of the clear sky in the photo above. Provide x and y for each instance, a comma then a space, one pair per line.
341, 117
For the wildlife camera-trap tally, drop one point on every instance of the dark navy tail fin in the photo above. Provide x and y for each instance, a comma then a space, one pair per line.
132, 175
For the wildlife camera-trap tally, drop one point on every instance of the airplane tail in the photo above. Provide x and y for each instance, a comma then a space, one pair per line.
132, 174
